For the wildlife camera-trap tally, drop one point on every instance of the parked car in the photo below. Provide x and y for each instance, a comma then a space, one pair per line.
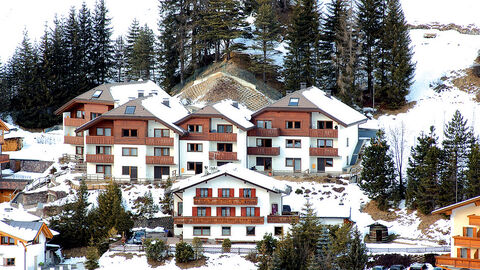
138, 237
418, 266
397, 267
379, 267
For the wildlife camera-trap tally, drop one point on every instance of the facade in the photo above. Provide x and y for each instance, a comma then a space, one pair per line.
232, 202
4, 158
465, 236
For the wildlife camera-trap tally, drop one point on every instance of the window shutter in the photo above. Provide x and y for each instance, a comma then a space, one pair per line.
468, 253
257, 211
220, 193
459, 252
219, 211
232, 191
464, 231
244, 211
194, 211
475, 255
198, 192
475, 232
209, 192
232, 211
209, 212
253, 193
241, 193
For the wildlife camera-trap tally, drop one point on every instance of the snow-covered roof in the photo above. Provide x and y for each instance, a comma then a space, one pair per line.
123, 92
448, 209
169, 114
236, 112
8, 212
25, 230
236, 171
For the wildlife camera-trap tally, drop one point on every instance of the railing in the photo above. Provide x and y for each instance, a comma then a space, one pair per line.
463, 241
102, 179
171, 249
74, 122
225, 201
99, 139
325, 133
130, 140
282, 219
446, 260
222, 137
163, 160
4, 158
328, 152
418, 250
222, 155
99, 158
264, 132
264, 151
219, 220
161, 141
77, 140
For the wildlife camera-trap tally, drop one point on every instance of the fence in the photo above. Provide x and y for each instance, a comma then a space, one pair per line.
171, 249
410, 249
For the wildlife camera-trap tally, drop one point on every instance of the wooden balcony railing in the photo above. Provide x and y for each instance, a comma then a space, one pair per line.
219, 220
2, 141
159, 141
99, 158
222, 155
130, 140
474, 220
4, 158
328, 152
324, 133
463, 241
77, 140
446, 260
264, 132
225, 201
161, 160
282, 219
99, 139
74, 122
264, 151
222, 137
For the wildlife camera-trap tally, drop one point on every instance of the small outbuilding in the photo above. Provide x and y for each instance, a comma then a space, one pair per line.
378, 233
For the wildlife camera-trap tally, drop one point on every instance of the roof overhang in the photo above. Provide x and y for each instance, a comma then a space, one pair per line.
447, 210
4, 126
74, 101
219, 115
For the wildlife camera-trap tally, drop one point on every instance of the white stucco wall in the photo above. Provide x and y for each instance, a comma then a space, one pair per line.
18, 252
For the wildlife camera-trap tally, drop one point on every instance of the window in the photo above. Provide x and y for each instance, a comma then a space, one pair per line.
204, 192
194, 147
264, 124
325, 125
201, 211
129, 133
97, 94
224, 128
201, 231
8, 240
103, 150
194, 128
250, 230
293, 143
180, 208
292, 124
247, 192
266, 162
293, 102
10, 261
469, 232
225, 211
264, 142
105, 169
224, 147
161, 151
278, 231
78, 134
324, 143
289, 162
250, 211
104, 132
463, 252
94, 115
81, 114
225, 192
130, 109
79, 150
161, 133
195, 166
141, 93
129, 152
347, 143
329, 162
226, 231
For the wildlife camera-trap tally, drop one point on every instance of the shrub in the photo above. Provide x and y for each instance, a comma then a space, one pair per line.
183, 252
226, 245
298, 191
267, 245
92, 258
155, 250
197, 246
252, 256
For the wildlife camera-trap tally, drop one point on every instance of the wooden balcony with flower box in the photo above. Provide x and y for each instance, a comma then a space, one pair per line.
447, 261
281, 219
222, 137
100, 158
74, 122
264, 132
219, 220
99, 139
76, 140
324, 133
160, 160
218, 155
325, 152
225, 201
263, 151
4, 158
159, 141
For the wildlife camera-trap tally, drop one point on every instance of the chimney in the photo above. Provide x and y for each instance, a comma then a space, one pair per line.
166, 102
288, 92
328, 93
131, 98
155, 92
235, 104
303, 85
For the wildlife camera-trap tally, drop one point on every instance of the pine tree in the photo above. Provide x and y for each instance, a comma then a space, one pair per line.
141, 57
102, 49
473, 171
168, 54
356, 255
92, 257
378, 174
85, 37
119, 59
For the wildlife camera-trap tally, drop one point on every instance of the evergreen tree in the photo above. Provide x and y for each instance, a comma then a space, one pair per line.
102, 47
141, 58
356, 255
85, 37
92, 257
473, 171
119, 59
168, 54
378, 174
132, 36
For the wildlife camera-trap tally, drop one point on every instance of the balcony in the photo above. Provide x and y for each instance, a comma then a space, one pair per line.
282, 219
474, 219
446, 260
264, 132
159, 141
74, 122
2, 141
99, 139
225, 201
325, 152
218, 220
161, 160
324, 133
73, 140
99, 158
222, 137
130, 140
222, 155
463, 241
264, 151
4, 158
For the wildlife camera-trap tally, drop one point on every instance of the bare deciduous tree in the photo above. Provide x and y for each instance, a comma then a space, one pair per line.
397, 141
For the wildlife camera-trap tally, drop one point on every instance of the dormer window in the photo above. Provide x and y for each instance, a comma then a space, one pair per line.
97, 94
293, 102
130, 110
141, 93
155, 92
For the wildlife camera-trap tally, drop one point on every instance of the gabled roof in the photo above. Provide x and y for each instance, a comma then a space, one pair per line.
313, 99
447, 210
3, 126
236, 171
25, 231
231, 111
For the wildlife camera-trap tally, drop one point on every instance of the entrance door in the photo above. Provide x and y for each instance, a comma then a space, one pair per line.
133, 173
320, 164
297, 165
198, 167
379, 235
160, 171
274, 208
267, 164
